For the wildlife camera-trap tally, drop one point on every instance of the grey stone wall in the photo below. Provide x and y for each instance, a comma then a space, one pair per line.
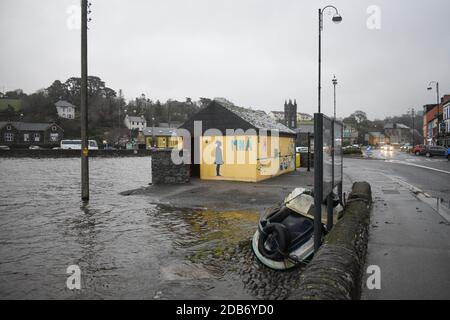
164, 171
336, 271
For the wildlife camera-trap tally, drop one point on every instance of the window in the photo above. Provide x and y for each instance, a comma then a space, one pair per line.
54, 128
26, 137
54, 137
8, 128
37, 137
9, 137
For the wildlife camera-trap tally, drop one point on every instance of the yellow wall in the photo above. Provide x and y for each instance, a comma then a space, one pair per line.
165, 142
247, 158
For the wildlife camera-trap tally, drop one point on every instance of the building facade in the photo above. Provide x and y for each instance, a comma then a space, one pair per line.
162, 138
65, 109
24, 134
398, 133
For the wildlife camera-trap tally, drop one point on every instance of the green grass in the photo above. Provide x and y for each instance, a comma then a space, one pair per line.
15, 103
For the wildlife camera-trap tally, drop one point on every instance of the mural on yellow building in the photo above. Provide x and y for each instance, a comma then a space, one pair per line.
246, 158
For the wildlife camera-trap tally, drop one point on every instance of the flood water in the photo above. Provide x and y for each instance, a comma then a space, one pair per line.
126, 247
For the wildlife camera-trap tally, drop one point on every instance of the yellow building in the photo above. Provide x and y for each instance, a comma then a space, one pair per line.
239, 144
162, 138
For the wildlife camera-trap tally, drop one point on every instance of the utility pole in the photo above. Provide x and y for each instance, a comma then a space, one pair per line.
84, 105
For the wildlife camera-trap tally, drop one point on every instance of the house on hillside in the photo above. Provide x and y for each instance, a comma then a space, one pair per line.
65, 109
135, 123
238, 144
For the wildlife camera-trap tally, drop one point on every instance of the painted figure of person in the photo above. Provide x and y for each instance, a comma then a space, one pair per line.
219, 157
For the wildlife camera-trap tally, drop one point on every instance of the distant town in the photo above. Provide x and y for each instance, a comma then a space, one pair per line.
44, 118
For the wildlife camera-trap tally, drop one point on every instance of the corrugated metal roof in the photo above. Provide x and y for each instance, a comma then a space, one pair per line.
136, 119
160, 132
28, 126
257, 118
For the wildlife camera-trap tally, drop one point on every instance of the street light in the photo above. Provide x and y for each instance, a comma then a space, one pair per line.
153, 132
335, 82
430, 87
336, 19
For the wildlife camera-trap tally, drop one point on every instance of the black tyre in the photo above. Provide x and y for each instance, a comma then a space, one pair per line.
274, 241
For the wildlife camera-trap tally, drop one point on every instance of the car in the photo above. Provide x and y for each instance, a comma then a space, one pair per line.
448, 153
387, 147
431, 151
35, 148
419, 150
301, 149
406, 147
5, 148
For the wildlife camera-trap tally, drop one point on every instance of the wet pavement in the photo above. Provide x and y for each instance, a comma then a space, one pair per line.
128, 247
409, 239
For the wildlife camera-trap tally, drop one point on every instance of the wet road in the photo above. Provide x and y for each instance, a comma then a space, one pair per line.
409, 239
126, 247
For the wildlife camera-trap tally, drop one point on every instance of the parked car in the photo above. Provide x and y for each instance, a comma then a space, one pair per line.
35, 148
419, 150
406, 147
431, 151
4, 148
448, 153
301, 149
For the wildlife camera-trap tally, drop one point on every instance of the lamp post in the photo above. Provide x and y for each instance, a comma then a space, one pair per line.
336, 19
413, 115
335, 82
430, 87
318, 143
153, 132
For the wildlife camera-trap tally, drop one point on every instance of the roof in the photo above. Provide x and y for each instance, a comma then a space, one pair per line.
28, 126
305, 128
395, 126
257, 118
63, 103
136, 119
160, 132
376, 134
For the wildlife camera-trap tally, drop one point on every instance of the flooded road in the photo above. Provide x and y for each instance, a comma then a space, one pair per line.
126, 247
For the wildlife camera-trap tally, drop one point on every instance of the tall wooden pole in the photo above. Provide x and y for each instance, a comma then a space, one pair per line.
84, 106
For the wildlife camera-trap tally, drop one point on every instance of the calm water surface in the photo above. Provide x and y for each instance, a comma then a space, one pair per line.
126, 247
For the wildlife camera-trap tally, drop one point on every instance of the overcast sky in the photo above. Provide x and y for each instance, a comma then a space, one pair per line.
256, 53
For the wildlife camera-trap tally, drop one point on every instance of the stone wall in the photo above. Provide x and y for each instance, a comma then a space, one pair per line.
164, 171
336, 271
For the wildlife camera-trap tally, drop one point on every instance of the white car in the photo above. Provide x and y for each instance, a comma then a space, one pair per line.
301, 149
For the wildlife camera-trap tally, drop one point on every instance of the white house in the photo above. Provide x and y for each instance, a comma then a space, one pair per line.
135, 123
65, 109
